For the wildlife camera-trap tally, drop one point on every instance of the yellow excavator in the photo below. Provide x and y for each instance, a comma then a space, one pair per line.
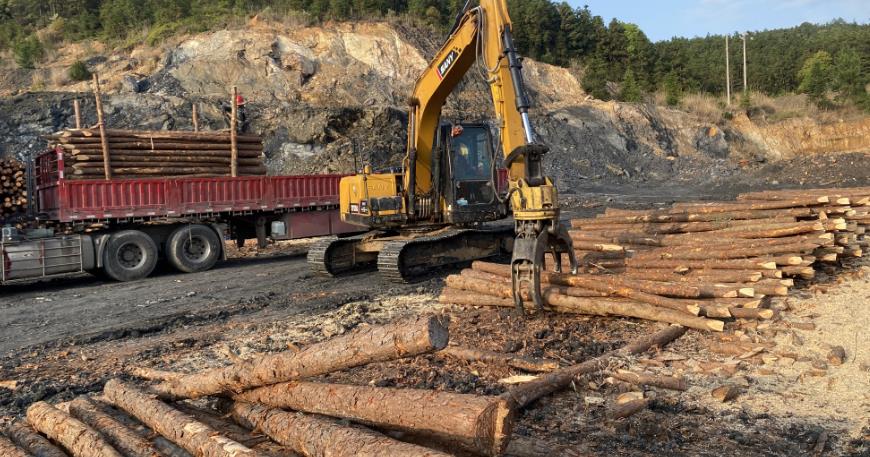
435, 212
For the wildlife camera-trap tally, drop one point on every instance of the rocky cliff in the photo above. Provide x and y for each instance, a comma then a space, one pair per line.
314, 92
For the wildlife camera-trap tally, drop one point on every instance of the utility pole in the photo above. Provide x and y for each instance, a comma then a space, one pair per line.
745, 77
727, 71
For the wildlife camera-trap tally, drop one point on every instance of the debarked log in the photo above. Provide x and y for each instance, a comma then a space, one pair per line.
77, 438
194, 437
318, 436
404, 338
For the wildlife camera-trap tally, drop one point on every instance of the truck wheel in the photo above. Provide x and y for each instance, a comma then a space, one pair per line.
130, 255
193, 248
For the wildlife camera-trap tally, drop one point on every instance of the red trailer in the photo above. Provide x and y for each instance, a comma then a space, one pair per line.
122, 227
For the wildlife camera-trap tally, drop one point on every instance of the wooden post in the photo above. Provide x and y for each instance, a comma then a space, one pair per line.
104, 141
234, 149
77, 109
195, 118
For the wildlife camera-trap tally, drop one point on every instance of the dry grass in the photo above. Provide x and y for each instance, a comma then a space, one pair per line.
706, 107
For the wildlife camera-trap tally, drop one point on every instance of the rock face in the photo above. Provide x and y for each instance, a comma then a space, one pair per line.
332, 98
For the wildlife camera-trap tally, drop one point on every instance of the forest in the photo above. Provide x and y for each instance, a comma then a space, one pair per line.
617, 58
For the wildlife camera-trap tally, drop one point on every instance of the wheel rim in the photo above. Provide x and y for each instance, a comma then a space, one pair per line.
196, 249
131, 256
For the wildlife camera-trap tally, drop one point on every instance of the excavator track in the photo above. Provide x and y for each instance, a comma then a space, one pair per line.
335, 256
403, 260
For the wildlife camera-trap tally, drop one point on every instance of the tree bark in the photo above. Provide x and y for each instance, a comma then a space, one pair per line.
9, 449
529, 364
735, 264
522, 395
589, 307
77, 438
222, 136
157, 170
650, 287
165, 161
194, 437
476, 423
28, 439
116, 433
506, 291
627, 409
631, 217
406, 338
315, 436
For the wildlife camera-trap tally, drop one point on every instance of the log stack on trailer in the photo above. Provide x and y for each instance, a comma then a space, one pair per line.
692, 264
13, 188
149, 154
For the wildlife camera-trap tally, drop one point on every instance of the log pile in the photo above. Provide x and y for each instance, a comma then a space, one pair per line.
147, 154
13, 188
692, 264
272, 395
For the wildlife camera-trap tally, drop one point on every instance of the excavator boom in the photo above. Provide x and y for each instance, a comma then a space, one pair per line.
448, 182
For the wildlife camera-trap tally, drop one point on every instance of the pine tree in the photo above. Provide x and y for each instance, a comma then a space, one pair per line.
630, 91
816, 77
673, 90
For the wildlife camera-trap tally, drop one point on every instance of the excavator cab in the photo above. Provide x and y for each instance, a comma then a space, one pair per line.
470, 187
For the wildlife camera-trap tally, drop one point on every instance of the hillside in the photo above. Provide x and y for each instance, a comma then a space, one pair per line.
313, 91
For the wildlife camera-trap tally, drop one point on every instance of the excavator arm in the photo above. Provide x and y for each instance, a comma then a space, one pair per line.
483, 36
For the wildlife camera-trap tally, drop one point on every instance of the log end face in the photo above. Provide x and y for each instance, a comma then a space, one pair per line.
495, 428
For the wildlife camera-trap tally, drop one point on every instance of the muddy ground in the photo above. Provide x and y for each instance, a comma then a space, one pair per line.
67, 337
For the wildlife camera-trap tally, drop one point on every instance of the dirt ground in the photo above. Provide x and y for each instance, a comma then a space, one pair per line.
68, 337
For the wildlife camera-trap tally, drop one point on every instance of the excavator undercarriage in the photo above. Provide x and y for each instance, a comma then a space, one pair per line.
403, 256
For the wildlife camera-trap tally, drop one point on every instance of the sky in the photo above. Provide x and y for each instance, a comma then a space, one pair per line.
665, 19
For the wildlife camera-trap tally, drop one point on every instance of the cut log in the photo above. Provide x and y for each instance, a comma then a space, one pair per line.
156, 170
174, 135
116, 433
650, 287
752, 313
643, 379
193, 436
406, 338
77, 438
316, 436
628, 409
476, 423
529, 364
594, 307
522, 395
28, 439
126, 161
503, 290
9, 449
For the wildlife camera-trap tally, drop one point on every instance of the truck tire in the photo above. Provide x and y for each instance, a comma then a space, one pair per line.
129, 256
193, 248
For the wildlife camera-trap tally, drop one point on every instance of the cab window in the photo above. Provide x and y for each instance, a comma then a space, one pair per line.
472, 158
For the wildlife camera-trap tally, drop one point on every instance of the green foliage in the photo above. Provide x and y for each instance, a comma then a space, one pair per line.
553, 32
816, 77
28, 52
630, 91
78, 71
595, 79
746, 100
673, 89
